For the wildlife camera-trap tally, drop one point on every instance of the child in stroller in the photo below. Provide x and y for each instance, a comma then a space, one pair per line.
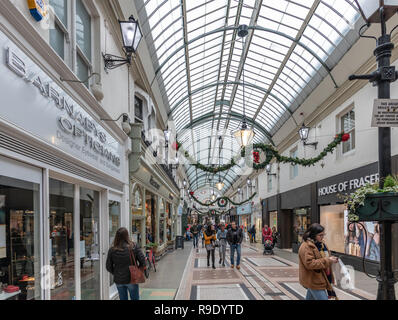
268, 247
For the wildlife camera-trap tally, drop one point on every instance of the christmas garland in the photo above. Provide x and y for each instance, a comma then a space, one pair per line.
270, 153
212, 212
219, 201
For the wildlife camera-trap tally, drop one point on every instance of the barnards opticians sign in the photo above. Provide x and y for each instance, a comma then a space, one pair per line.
36, 104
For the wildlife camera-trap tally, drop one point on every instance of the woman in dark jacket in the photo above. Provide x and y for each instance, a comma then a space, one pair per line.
119, 260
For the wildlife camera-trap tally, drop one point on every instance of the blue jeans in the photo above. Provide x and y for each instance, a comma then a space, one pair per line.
237, 248
131, 288
316, 295
195, 240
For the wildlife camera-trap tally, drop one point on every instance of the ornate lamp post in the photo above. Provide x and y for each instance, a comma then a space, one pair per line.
379, 12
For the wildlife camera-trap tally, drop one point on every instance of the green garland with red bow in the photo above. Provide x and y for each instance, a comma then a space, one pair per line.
270, 153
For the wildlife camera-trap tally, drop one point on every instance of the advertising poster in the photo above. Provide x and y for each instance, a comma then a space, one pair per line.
3, 239
355, 238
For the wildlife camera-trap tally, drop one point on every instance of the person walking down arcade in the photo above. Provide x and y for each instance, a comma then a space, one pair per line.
222, 238
195, 235
120, 257
315, 261
235, 238
210, 238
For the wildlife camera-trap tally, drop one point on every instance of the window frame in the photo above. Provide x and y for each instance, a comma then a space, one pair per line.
293, 172
351, 141
64, 29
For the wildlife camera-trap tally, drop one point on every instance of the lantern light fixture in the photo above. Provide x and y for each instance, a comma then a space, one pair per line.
131, 36
303, 133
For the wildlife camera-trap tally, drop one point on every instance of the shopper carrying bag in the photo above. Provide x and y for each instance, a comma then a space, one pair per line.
126, 263
315, 261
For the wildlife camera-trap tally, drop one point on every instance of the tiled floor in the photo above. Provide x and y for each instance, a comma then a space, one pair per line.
261, 277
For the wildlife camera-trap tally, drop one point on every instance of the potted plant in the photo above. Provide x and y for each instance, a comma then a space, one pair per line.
371, 203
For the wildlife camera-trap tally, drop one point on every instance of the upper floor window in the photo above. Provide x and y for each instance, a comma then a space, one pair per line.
348, 126
293, 168
83, 41
61, 35
58, 35
138, 110
269, 183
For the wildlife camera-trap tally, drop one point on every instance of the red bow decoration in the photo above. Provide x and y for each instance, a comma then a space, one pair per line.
175, 146
345, 137
191, 193
256, 156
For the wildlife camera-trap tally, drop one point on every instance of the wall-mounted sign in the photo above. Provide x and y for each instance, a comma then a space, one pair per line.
245, 209
38, 9
385, 113
33, 102
154, 183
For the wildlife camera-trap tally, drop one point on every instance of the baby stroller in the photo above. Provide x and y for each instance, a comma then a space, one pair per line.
268, 247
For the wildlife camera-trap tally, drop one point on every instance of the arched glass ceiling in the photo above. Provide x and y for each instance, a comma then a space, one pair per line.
199, 61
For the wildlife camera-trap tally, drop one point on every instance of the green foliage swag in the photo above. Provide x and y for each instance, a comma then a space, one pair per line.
270, 153
357, 199
227, 200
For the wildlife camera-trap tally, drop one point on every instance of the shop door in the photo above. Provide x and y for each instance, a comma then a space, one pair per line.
21, 221
114, 223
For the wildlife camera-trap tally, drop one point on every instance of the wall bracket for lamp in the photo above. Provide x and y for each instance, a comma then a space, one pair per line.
112, 62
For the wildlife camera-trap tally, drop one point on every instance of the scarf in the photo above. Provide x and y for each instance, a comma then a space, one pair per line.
323, 250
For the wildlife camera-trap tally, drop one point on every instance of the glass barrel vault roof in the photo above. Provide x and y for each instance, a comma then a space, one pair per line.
200, 63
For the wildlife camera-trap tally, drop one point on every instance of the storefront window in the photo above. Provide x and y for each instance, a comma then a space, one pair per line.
114, 224
273, 219
136, 212
150, 209
89, 244
20, 238
302, 220
161, 221
343, 237
62, 264
168, 221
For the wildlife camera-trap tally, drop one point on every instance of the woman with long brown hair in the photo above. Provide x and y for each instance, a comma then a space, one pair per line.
119, 260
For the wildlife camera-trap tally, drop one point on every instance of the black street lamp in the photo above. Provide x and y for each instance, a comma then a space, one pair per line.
304, 132
131, 35
268, 168
380, 12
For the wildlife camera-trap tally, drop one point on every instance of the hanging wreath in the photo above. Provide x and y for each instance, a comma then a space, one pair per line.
270, 153
222, 203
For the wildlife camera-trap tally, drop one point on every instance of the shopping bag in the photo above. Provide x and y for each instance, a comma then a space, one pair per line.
342, 275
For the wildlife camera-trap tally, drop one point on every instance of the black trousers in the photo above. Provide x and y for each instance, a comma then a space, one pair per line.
212, 256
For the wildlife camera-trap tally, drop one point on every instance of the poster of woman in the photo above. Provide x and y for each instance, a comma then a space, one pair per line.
357, 235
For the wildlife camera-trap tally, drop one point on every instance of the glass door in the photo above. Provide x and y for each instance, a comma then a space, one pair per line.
90, 265
20, 231
114, 223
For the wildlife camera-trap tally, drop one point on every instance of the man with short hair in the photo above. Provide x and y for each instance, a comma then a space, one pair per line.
195, 234
235, 238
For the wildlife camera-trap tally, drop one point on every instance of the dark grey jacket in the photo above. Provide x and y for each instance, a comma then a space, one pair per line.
118, 262
235, 236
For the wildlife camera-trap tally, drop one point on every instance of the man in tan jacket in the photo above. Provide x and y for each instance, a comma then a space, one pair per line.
313, 267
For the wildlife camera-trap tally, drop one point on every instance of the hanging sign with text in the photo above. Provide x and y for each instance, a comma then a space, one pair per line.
385, 113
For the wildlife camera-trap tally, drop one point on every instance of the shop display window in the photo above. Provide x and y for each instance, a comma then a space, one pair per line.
89, 244
114, 225
150, 212
273, 219
343, 237
162, 209
302, 220
62, 261
19, 239
168, 221
137, 214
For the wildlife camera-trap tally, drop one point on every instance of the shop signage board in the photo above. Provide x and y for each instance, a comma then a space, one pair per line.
385, 113
33, 102
245, 209
346, 183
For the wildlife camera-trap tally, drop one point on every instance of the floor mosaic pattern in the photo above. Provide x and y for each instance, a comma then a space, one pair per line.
259, 278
